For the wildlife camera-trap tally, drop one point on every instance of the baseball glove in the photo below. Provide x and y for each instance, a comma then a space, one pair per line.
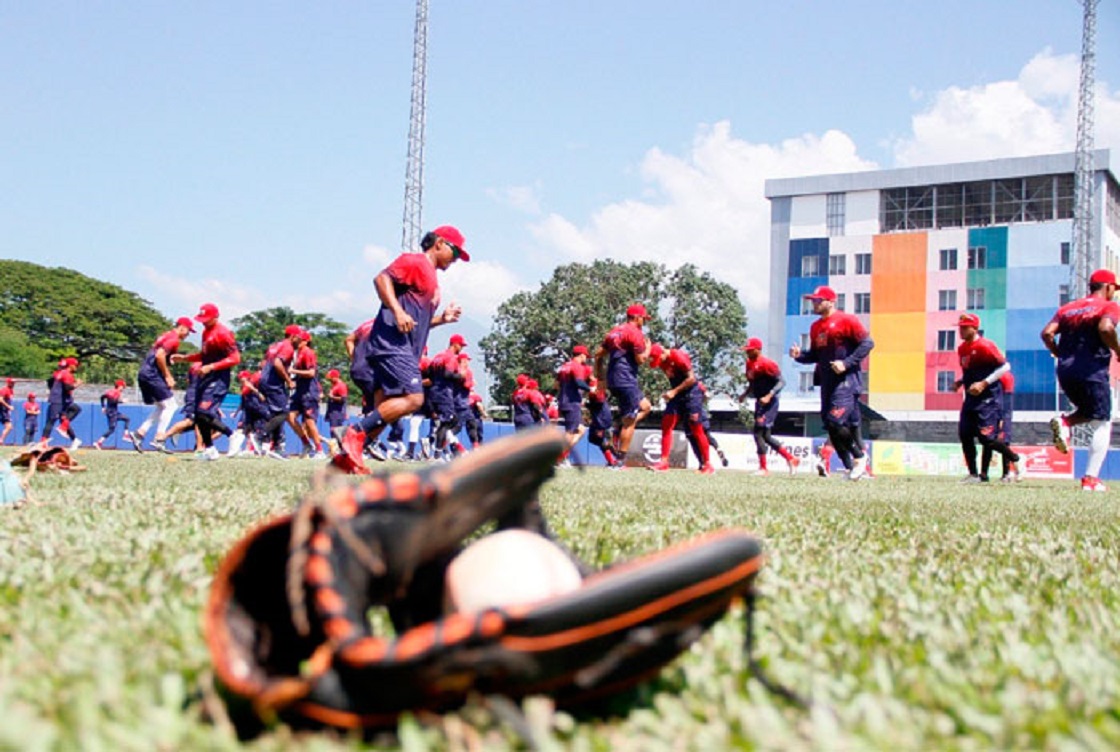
287, 624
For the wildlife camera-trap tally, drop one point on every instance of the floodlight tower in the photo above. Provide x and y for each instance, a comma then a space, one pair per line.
414, 170
1083, 205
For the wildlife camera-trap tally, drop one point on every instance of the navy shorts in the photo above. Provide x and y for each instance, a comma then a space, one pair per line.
687, 406
1006, 420
212, 389
629, 400
572, 416
766, 415
275, 398
1093, 399
840, 407
981, 419
153, 390
397, 374
5, 416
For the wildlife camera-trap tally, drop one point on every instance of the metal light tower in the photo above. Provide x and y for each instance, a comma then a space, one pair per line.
414, 170
1083, 204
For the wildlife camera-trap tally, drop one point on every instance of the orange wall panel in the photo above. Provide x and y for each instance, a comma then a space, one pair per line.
898, 272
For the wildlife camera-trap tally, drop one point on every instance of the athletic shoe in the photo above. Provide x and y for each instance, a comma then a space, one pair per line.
317, 456
377, 452
708, 469
160, 446
660, 467
97, 444
171, 442
793, 463
970, 479
1012, 474
1089, 483
426, 448
859, 468
822, 469
761, 472
272, 454
75, 445
210, 454
137, 442
1060, 433
722, 457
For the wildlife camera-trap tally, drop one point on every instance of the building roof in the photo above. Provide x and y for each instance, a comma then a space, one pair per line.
962, 172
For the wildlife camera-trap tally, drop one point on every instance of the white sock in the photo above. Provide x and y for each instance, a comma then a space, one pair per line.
1098, 446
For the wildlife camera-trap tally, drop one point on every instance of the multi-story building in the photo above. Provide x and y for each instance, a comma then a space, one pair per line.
908, 250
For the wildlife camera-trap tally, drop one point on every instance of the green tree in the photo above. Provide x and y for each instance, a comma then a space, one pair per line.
256, 330
533, 332
62, 312
21, 357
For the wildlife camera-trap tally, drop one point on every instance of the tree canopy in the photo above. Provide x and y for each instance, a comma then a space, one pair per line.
534, 332
257, 330
47, 313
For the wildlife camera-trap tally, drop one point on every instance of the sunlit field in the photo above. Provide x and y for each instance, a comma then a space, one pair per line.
914, 613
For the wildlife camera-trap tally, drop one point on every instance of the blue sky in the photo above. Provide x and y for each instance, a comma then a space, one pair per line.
253, 154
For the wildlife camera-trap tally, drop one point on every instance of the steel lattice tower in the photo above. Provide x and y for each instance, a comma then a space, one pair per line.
1083, 206
414, 170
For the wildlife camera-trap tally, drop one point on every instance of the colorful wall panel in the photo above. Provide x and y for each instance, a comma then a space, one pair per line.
898, 273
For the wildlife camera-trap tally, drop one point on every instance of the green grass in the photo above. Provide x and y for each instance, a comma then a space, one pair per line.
916, 613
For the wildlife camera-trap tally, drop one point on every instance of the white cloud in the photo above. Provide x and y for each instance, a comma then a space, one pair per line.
1034, 114
707, 208
523, 198
479, 287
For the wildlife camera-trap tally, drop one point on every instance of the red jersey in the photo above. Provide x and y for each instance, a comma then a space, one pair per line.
219, 349
339, 391
676, 364
763, 375
978, 359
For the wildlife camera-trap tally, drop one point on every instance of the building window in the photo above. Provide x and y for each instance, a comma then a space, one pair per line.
810, 266
948, 259
1064, 253
946, 340
837, 265
806, 306
975, 299
835, 214
946, 300
863, 263
863, 302
1063, 294
946, 380
840, 303
805, 381
978, 257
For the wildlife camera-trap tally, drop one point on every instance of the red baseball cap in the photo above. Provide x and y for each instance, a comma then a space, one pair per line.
31, 395
457, 339
72, 362
1103, 276
532, 383
754, 343
580, 350
824, 292
292, 330
655, 353
522, 379
637, 310
10, 380
244, 375
464, 356
333, 373
119, 382
206, 312
185, 321
969, 319
455, 238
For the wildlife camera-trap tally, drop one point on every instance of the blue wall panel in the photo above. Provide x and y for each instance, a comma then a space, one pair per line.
802, 247
1038, 244
1023, 326
995, 240
1035, 286
1034, 372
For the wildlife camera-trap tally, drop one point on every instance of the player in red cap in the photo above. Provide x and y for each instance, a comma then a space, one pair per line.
409, 293
982, 366
156, 383
683, 401
275, 384
337, 394
303, 406
623, 351
61, 407
765, 383
526, 412
30, 418
838, 343
1082, 336
111, 407
218, 354
7, 397
573, 382
447, 374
